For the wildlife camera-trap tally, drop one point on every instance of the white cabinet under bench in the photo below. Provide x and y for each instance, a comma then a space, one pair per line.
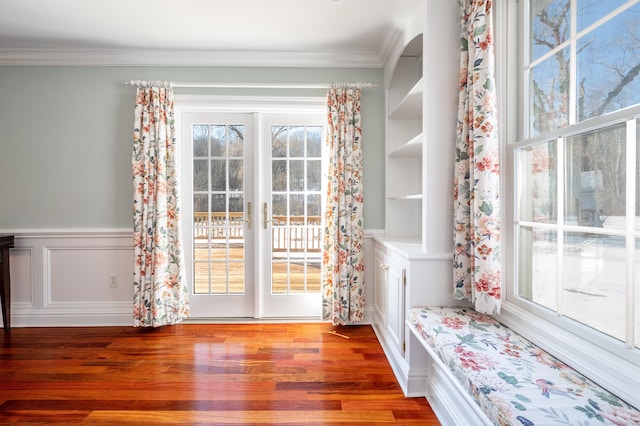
399, 277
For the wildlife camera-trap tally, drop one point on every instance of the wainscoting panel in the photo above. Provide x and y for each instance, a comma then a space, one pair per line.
78, 274
71, 278
64, 278
22, 277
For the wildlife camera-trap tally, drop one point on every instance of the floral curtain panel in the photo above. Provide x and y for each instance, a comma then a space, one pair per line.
160, 295
476, 266
342, 259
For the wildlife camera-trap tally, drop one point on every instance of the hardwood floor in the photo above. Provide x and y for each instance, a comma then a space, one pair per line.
202, 374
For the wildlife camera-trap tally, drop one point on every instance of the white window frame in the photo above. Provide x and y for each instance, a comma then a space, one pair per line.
613, 364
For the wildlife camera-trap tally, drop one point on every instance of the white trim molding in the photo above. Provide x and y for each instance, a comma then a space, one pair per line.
202, 58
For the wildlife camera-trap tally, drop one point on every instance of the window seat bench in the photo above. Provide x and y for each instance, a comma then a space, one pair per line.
501, 378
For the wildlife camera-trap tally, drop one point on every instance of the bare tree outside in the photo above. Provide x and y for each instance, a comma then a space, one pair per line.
218, 167
296, 170
607, 63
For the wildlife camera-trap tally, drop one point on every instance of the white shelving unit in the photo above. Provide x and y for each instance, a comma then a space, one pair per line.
405, 141
413, 259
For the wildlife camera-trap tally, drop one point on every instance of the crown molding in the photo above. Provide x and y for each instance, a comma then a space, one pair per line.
102, 56
204, 58
393, 35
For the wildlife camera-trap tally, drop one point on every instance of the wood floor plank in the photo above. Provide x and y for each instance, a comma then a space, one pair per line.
243, 417
404, 404
202, 374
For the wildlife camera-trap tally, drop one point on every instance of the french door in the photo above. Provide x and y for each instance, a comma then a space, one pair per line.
291, 215
217, 165
252, 210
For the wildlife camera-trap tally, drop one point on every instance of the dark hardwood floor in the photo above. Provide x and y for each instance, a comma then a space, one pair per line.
202, 374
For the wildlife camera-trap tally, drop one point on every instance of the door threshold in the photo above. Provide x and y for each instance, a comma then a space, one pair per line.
283, 320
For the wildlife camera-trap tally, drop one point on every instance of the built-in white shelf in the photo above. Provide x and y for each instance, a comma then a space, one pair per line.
411, 105
411, 149
406, 197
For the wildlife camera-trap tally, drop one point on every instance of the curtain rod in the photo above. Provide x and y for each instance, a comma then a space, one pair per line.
146, 83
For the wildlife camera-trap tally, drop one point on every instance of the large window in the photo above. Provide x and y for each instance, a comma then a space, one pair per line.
576, 165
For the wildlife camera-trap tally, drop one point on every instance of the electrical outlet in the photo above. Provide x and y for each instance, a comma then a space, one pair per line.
113, 280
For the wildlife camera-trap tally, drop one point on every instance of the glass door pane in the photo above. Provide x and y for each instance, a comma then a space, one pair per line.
220, 237
218, 231
296, 208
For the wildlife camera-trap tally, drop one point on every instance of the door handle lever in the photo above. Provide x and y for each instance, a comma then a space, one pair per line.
265, 216
248, 219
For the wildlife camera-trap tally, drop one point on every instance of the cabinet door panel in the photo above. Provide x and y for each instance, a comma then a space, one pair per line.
395, 303
380, 279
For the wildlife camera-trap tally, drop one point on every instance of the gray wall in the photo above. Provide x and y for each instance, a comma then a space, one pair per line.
65, 138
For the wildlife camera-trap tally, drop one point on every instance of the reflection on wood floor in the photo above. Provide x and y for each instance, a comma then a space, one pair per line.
301, 277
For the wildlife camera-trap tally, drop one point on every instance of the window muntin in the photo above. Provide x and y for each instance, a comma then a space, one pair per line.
576, 213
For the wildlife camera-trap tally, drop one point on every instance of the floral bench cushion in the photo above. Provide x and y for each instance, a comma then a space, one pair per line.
514, 381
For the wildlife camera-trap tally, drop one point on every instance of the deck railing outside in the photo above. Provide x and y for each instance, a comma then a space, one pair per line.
294, 235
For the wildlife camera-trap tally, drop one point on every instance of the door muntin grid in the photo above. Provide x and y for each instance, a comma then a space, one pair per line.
296, 175
218, 209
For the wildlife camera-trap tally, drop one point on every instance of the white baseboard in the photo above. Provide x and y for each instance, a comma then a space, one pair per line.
65, 318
